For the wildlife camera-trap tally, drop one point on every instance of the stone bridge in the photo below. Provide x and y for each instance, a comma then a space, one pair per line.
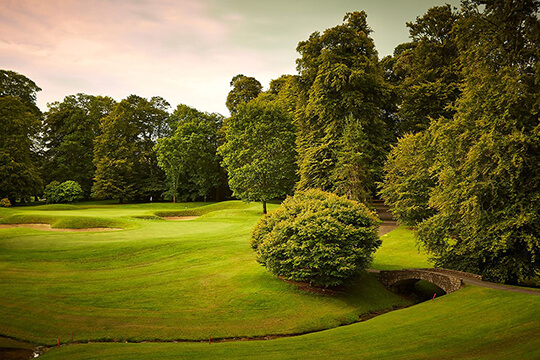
447, 280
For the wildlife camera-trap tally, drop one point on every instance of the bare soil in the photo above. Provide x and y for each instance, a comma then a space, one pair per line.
47, 227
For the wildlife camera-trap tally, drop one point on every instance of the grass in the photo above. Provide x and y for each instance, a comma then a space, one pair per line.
474, 323
156, 280
399, 250
161, 280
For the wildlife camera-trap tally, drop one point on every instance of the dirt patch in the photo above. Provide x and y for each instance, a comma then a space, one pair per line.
387, 226
47, 227
179, 218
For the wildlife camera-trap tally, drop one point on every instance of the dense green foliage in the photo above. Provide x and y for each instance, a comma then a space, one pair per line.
70, 128
341, 83
126, 165
5, 202
66, 192
188, 157
244, 89
259, 151
472, 181
317, 237
426, 71
408, 180
19, 127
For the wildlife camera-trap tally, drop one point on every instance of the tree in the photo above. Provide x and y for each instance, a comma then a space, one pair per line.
427, 70
189, 156
259, 152
70, 128
66, 192
244, 89
316, 237
340, 78
408, 179
126, 166
19, 127
485, 164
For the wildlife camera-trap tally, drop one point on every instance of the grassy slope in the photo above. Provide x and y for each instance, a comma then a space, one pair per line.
157, 280
474, 323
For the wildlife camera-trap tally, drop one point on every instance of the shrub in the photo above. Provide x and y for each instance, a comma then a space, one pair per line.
317, 237
66, 192
5, 202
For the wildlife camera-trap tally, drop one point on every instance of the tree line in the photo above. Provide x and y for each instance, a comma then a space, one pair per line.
446, 130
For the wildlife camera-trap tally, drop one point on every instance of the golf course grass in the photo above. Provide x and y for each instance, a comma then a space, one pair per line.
164, 281
157, 279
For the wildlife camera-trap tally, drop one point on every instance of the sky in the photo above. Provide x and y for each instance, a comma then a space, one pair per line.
186, 51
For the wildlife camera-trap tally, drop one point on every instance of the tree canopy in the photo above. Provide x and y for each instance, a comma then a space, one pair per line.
259, 151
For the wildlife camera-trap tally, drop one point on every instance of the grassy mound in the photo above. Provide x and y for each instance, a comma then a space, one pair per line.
227, 205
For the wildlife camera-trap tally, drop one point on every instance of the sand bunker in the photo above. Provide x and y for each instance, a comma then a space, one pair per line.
47, 227
179, 218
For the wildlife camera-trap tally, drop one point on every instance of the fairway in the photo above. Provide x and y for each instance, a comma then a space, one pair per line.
157, 279
172, 284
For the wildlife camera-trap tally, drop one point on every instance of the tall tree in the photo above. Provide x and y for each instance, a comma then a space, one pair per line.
427, 70
485, 164
244, 89
189, 157
340, 79
19, 127
126, 166
259, 151
70, 128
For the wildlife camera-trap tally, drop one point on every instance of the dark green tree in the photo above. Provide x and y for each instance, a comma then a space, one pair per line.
70, 128
259, 152
19, 127
426, 71
244, 89
408, 179
488, 179
317, 237
189, 157
340, 78
126, 165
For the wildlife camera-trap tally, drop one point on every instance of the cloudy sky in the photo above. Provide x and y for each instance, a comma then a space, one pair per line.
184, 50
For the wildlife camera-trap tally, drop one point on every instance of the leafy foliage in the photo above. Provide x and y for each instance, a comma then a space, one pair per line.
259, 152
316, 237
19, 126
5, 202
407, 180
66, 192
189, 157
341, 80
70, 128
244, 89
126, 166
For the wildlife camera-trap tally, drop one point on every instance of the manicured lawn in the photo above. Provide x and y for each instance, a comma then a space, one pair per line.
399, 250
157, 279
473, 323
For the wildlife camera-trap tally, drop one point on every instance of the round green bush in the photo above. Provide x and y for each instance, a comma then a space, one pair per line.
317, 237
66, 192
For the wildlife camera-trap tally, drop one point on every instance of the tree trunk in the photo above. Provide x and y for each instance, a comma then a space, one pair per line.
120, 201
264, 207
174, 198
